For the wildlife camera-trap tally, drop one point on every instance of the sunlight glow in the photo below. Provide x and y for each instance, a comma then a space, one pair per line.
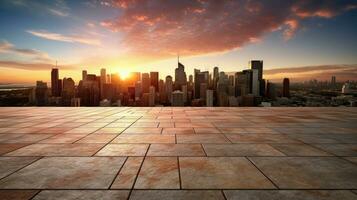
124, 74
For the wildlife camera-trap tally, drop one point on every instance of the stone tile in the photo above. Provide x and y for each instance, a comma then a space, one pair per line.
17, 194
289, 194
241, 150
9, 165
123, 150
118, 125
144, 139
6, 148
158, 173
63, 138
142, 131
166, 125
339, 149
194, 125
83, 130
128, 174
82, 194
176, 194
97, 138
65, 173
28, 138
106, 130
221, 173
233, 130
176, 150
308, 172
260, 138
352, 159
146, 124
170, 131
202, 138
57, 150
206, 130
299, 150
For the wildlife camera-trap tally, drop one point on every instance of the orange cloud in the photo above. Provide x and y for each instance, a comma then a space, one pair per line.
194, 27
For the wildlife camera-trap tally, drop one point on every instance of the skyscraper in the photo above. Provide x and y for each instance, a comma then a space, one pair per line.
145, 82
168, 88
55, 83
180, 76
209, 98
103, 80
286, 87
41, 95
68, 91
258, 65
84, 75
177, 98
154, 79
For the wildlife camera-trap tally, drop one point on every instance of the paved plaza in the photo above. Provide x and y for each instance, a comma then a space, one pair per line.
178, 153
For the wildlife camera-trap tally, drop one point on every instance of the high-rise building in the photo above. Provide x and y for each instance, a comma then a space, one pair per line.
55, 83
271, 92
184, 91
68, 91
89, 90
145, 82
203, 89
286, 87
177, 98
255, 82
152, 95
138, 91
84, 75
180, 76
41, 95
154, 79
168, 88
209, 98
103, 80
258, 65
162, 92
200, 77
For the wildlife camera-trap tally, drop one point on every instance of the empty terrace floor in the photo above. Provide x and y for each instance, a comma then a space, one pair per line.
178, 153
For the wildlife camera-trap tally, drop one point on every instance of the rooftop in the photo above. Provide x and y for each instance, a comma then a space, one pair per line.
178, 153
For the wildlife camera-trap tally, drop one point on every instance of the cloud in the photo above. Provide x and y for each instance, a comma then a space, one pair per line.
194, 27
31, 66
320, 72
64, 38
6, 47
55, 7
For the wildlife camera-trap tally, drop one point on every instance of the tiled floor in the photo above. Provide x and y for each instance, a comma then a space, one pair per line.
178, 153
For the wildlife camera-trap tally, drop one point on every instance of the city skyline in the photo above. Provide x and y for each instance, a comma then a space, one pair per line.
128, 36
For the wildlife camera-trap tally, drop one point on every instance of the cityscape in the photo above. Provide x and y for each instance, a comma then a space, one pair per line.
203, 88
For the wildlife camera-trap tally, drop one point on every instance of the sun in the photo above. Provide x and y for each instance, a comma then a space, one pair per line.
124, 74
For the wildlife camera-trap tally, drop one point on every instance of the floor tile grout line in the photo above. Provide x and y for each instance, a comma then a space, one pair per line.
179, 172
38, 158
121, 167
38, 192
137, 174
262, 172
204, 151
224, 195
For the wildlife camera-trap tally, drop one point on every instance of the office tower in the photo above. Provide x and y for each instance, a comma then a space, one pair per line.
84, 75
184, 92
209, 98
180, 76
109, 92
168, 88
258, 65
145, 99
68, 91
131, 93
200, 77
154, 79
138, 92
333, 80
286, 87
215, 77
162, 92
41, 94
243, 83
152, 95
222, 89
231, 79
248, 100
75, 102
89, 90
135, 77
55, 83
203, 89
271, 92
177, 98
103, 77
255, 82
145, 82
232, 101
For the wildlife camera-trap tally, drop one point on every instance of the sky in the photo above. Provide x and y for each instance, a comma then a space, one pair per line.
148, 35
